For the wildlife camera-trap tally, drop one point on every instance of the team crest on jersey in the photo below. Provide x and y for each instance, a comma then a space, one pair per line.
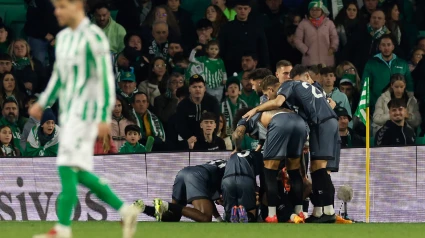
128, 75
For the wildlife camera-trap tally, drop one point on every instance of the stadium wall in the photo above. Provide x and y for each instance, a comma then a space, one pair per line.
29, 187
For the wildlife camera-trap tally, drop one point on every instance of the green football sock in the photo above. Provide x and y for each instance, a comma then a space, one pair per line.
101, 189
68, 197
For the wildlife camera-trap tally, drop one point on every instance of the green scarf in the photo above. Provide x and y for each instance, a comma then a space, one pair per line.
21, 63
377, 34
156, 126
8, 151
34, 144
229, 110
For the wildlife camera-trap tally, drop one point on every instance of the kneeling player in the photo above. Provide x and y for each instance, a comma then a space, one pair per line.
238, 186
196, 185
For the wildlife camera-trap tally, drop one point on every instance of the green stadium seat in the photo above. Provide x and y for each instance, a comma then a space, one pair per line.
18, 30
372, 141
114, 14
420, 140
15, 13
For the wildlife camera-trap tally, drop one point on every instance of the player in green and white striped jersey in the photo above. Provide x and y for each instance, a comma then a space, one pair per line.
84, 82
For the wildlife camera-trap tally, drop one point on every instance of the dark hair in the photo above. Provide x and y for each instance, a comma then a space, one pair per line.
283, 63
5, 57
182, 92
238, 116
139, 93
179, 57
269, 81
327, 70
153, 78
316, 68
342, 19
223, 132
126, 110
171, 19
290, 30
377, 10
208, 116
298, 70
253, 55
220, 20
129, 128
260, 73
419, 40
241, 3
213, 42
290, 19
12, 143
129, 35
394, 78
100, 5
198, 79
396, 103
387, 36
388, 7
16, 93
3, 26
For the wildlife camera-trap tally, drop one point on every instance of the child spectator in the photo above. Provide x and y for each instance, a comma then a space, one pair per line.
232, 103
209, 141
328, 82
132, 137
8, 148
316, 37
396, 90
127, 85
157, 80
347, 85
417, 55
4, 41
213, 69
44, 138
228, 12
121, 117
204, 30
105, 146
182, 65
29, 124
222, 132
215, 15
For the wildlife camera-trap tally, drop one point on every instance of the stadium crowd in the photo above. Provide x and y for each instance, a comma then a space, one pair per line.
175, 60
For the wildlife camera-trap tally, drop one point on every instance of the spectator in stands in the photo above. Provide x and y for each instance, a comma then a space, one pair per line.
283, 68
132, 56
184, 22
8, 148
172, 141
347, 85
392, 18
257, 77
43, 139
8, 88
380, 68
328, 84
421, 43
29, 124
4, 40
293, 19
5, 63
364, 43
249, 62
417, 55
190, 109
121, 117
222, 132
105, 146
181, 65
204, 30
240, 36
157, 80
347, 67
232, 102
228, 12
174, 46
131, 14
316, 37
12, 119
213, 70
367, 10
292, 54
158, 47
164, 15
396, 90
248, 94
132, 137
114, 31
396, 131
348, 137
166, 104
347, 22
127, 85
208, 141
41, 28
147, 121
215, 15
29, 72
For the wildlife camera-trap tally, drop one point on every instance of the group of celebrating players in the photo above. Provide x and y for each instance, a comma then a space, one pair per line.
296, 118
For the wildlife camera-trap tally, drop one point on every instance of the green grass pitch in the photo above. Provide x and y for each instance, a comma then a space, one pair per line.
220, 230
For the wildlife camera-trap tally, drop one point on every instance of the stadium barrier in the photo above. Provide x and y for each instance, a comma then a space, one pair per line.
29, 187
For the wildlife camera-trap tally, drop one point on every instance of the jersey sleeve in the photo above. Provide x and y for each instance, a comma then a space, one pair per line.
51, 93
285, 89
98, 53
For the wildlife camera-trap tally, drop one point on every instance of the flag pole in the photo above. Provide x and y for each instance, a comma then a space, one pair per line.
367, 165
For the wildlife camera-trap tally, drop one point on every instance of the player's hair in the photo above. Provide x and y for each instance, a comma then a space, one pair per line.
283, 63
208, 116
298, 70
396, 103
316, 68
269, 81
5, 57
260, 73
327, 70
12, 143
253, 55
129, 128
238, 116
139, 93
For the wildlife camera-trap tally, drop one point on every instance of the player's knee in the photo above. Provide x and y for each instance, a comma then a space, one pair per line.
205, 218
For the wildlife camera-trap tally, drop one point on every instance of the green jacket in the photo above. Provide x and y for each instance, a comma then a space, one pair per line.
379, 73
17, 129
34, 148
127, 148
115, 34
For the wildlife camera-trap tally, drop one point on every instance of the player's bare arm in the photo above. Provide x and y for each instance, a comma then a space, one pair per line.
267, 106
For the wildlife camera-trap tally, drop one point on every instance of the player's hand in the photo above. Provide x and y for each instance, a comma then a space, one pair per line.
104, 129
36, 111
332, 103
250, 114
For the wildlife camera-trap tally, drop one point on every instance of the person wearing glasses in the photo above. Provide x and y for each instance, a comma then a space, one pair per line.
157, 80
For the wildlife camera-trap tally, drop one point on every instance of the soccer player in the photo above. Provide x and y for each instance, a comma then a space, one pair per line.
238, 186
84, 82
311, 104
197, 185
